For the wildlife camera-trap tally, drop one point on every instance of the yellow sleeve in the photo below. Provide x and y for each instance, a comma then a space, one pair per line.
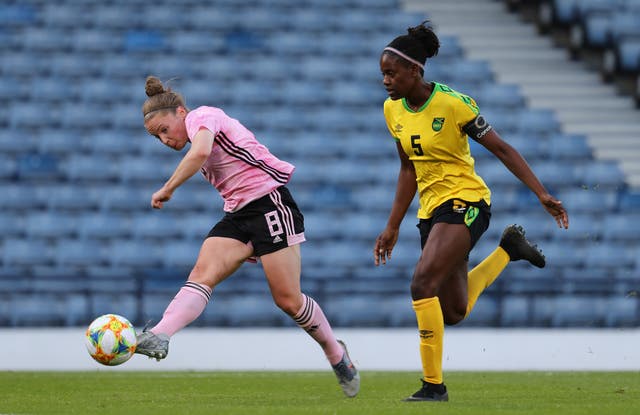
466, 110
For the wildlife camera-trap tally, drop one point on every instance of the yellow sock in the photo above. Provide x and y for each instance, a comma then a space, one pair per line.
484, 274
431, 329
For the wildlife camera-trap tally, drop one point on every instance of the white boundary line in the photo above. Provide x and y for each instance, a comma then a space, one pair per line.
465, 349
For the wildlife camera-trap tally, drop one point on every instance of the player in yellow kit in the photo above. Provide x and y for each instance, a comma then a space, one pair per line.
431, 124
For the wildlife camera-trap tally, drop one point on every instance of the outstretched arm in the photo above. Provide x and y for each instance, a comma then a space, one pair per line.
405, 191
188, 166
512, 159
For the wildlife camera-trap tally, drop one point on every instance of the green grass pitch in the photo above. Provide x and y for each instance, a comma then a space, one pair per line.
254, 393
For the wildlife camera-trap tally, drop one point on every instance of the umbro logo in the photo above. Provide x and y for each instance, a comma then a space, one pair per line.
277, 239
425, 334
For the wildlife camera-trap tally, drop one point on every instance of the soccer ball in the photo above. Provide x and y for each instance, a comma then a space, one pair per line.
111, 339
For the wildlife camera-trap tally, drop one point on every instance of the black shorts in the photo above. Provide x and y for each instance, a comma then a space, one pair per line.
270, 223
476, 215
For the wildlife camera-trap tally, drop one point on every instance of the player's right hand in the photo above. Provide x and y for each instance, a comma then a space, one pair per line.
384, 245
159, 197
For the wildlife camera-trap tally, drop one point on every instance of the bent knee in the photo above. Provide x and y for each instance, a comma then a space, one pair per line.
453, 317
290, 304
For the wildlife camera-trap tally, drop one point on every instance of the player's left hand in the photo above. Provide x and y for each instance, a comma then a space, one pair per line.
159, 197
555, 209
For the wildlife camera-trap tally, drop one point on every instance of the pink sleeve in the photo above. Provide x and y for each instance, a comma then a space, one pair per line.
207, 117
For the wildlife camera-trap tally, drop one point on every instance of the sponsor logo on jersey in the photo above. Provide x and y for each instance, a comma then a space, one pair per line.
437, 123
472, 214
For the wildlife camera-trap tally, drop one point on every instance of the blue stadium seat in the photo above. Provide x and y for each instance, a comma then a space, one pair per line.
308, 20
494, 95
196, 225
124, 304
86, 116
602, 175
56, 142
504, 121
153, 305
531, 146
102, 91
321, 226
193, 43
169, 69
62, 15
19, 197
19, 63
104, 225
37, 310
95, 41
119, 18
588, 200
358, 95
95, 168
485, 313
195, 196
570, 147
138, 254
542, 311
623, 227
75, 252
356, 310
292, 44
470, 72
76, 310
155, 225
8, 169
514, 311
50, 225
12, 225
563, 254
54, 280
203, 18
249, 310
74, 65
362, 21
27, 251
133, 169
35, 166
583, 228
573, 311
623, 312
181, 254
70, 197
624, 24
196, 95
628, 52
629, 201
141, 41
17, 15
124, 67
12, 88
40, 40
399, 310
162, 18
32, 115
537, 121
609, 255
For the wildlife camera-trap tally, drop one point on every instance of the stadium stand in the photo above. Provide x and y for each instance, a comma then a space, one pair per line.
78, 169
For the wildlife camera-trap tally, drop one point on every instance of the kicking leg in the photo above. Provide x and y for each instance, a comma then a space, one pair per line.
218, 258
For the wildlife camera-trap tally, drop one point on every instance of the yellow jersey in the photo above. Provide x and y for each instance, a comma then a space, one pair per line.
435, 141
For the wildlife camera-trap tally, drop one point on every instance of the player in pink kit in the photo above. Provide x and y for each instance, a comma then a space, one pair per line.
262, 221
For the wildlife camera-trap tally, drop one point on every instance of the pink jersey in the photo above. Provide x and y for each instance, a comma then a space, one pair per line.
239, 167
